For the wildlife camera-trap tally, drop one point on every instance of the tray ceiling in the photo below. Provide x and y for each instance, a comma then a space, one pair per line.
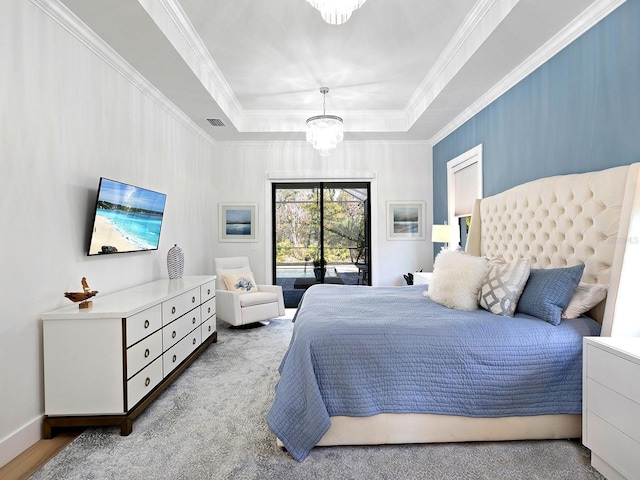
397, 70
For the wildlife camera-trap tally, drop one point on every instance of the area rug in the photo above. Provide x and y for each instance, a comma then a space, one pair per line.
210, 424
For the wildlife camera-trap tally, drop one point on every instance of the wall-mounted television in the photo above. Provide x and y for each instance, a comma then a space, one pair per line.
127, 219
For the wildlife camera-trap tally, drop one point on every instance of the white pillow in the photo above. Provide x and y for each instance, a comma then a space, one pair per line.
240, 282
585, 297
503, 285
456, 280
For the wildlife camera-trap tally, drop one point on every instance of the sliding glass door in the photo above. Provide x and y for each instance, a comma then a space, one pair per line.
321, 235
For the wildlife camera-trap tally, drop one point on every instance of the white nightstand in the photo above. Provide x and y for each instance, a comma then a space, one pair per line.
422, 278
611, 405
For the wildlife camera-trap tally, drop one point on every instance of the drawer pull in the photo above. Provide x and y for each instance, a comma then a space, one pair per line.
146, 324
193, 299
173, 334
173, 310
146, 353
209, 310
174, 359
147, 381
209, 327
208, 291
194, 320
194, 340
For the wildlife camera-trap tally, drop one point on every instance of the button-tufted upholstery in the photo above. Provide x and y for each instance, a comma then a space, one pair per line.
557, 222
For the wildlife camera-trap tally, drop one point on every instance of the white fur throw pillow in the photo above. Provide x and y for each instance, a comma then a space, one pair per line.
456, 280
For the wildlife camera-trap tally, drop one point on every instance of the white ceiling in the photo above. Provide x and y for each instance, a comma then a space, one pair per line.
397, 70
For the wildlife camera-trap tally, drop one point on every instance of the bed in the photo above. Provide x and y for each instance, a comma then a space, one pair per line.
376, 365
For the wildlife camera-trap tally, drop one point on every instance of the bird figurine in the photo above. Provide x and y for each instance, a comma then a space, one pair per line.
83, 296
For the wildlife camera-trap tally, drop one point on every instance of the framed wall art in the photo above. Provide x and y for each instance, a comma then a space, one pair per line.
405, 220
238, 222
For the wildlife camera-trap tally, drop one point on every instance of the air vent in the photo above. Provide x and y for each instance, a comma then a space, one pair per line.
216, 122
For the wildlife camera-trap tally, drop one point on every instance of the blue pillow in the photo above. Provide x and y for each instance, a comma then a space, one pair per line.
549, 291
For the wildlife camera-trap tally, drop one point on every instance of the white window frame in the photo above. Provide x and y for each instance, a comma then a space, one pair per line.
467, 159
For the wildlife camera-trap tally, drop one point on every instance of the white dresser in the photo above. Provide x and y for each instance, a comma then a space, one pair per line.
611, 405
104, 365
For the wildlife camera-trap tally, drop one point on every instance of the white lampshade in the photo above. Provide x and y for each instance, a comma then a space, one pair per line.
445, 234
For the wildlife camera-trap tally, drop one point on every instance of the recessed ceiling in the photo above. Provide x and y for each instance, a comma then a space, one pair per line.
397, 70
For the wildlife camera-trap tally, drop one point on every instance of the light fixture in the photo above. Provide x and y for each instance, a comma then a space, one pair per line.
324, 131
445, 234
336, 12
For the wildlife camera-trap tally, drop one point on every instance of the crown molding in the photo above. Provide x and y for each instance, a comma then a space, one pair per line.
479, 24
314, 175
181, 33
281, 143
589, 18
72, 24
295, 120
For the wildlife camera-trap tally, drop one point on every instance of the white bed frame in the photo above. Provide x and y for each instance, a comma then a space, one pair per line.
591, 218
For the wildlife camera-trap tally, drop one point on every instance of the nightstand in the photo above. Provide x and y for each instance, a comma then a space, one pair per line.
422, 278
611, 405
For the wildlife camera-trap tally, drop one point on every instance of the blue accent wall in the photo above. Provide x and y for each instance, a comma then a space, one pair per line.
578, 112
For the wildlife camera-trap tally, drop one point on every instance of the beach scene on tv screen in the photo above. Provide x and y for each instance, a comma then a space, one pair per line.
128, 219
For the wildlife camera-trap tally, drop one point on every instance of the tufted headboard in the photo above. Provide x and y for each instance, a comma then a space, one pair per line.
562, 221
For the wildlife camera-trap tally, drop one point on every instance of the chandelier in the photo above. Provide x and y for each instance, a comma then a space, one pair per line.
324, 131
336, 12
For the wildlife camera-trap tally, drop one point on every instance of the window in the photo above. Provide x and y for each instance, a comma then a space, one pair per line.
464, 186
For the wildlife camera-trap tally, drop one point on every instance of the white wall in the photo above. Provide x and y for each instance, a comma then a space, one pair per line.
67, 118
400, 171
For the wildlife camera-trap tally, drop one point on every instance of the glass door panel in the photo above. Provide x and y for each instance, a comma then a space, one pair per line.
345, 228
321, 235
296, 229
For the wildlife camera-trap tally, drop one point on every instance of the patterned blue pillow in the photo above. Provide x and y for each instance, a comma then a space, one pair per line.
240, 282
548, 292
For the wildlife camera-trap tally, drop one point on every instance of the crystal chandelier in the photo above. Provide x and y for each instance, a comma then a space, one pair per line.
336, 12
324, 131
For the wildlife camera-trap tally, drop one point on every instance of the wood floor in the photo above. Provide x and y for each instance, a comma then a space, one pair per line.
35, 456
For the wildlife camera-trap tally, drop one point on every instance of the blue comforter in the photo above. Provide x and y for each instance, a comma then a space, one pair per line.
360, 351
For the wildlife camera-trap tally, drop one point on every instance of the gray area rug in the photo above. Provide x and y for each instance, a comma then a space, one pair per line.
210, 424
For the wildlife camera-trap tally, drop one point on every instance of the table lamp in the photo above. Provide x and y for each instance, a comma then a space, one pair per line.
444, 234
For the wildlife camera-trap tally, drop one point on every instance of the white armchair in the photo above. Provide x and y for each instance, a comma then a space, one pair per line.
240, 309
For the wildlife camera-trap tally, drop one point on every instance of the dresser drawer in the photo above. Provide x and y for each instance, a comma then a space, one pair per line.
174, 332
208, 291
144, 352
208, 309
178, 306
614, 372
208, 327
615, 447
142, 383
613, 408
143, 324
181, 350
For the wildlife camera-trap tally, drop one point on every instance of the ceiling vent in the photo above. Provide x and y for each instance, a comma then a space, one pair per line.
216, 122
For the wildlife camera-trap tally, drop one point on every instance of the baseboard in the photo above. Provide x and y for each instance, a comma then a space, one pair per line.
16, 443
